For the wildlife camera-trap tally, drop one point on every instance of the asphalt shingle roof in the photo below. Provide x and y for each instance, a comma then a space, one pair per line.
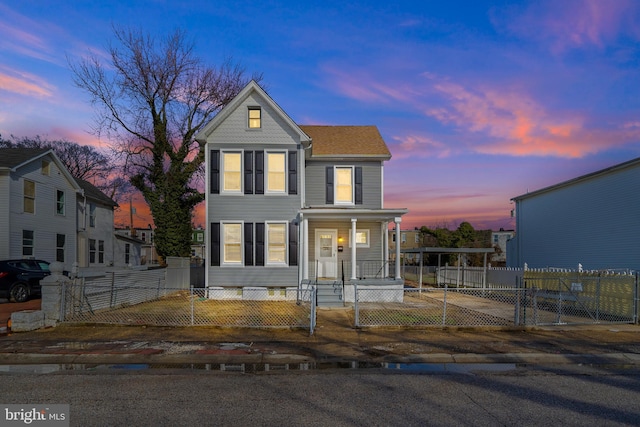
352, 141
12, 157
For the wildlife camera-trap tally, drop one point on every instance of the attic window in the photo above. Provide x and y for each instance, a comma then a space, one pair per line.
46, 165
255, 118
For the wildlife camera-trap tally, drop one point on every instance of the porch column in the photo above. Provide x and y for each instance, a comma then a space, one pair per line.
397, 221
385, 245
305, 249
353, 248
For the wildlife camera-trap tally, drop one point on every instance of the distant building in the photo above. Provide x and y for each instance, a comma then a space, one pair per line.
148, 252
592, 220
409, 239
499, 241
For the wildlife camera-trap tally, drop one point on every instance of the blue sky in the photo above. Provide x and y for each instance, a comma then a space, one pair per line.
479, 101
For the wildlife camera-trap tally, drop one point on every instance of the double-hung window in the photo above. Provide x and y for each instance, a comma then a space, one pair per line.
232, 243
29, 189
255, 118
60, 241
27, 242
276, 243
59, 202
344, 185
232, 172
92, 251
362, 238
276, 172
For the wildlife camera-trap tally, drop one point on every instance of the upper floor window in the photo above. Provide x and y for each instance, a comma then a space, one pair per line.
344, 185
59, 202
46, 167
404, 237
92, 215
29, 196
255, 118
232, 172
276, 172
417, 238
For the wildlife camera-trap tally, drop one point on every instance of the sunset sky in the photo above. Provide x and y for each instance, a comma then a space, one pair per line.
479, 101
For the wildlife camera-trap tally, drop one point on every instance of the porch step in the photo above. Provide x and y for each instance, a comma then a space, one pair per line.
329, 295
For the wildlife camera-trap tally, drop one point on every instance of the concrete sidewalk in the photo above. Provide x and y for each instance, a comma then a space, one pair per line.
334, 340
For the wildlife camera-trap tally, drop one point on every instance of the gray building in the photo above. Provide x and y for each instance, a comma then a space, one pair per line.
592, 220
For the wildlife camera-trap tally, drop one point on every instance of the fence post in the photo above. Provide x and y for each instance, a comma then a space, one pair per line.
516, 317
192, 304
635, 301
355, 305
444, 307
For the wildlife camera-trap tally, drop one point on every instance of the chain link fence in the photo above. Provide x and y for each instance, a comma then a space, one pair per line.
496, 307
106, 300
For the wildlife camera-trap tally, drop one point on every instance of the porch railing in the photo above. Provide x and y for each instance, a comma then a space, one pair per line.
367, 269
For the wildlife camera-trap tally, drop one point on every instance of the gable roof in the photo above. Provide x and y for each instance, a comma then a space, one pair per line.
92, 192
346, 141
14, 158
628, 164
250, 88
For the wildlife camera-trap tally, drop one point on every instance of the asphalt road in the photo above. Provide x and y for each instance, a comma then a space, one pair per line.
564, 395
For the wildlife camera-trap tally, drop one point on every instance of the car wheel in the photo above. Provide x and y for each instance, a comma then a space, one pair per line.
19, 292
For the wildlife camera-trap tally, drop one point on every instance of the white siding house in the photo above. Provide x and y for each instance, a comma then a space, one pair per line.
38, 214
592, 220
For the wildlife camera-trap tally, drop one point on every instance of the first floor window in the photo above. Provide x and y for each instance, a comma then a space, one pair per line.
27, 242
101, 251
127, 253
232, 246
276, 243
92, 251
60, 240
362, 238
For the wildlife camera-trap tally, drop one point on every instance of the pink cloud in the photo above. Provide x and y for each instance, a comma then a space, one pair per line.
572, 23
23, 83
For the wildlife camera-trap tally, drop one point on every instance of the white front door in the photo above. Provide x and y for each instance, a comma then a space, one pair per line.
327, 253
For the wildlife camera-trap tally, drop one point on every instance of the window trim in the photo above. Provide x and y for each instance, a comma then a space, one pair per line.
60, 250
267, 244
26, 197
60, 204
92, 251
223, 247
223, 190
285, 172
335, 186
367, 231
32, 246
251, 108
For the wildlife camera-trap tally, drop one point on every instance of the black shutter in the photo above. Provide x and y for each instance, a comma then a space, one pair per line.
358, 185
248, 243
259, 243
259, 172
293, 243
248, 172
214, 183
329, 185
215, 244
293, 172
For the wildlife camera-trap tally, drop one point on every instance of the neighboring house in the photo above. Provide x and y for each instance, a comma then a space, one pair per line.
198, 247
95, 228
38, 215
127, 251
499, 240
409, 239
148, 253
591, 220
287, 204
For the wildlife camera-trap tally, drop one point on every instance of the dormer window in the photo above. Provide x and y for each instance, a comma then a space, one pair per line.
255, 119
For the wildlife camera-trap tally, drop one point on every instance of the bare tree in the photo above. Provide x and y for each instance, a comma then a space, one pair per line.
152, 98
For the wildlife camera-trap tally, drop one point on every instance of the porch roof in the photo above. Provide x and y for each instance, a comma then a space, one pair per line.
331, 213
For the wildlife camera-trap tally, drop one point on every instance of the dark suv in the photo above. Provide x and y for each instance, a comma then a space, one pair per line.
20, 278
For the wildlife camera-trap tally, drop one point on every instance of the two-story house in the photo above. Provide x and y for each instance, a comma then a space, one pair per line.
38, 214
290, 205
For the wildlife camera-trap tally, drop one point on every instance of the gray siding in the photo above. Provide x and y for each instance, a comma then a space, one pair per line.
371, 178
4, 215
373, 253
595, 222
